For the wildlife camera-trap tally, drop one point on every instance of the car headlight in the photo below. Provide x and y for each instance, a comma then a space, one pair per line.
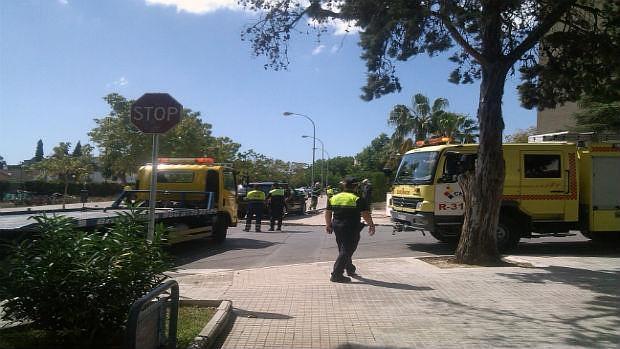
418, 206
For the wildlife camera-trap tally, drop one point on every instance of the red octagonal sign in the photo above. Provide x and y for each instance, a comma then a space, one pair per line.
155, 112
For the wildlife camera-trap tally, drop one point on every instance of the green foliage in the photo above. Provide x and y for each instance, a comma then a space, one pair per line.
38, 154
191, 322
124, 148
520, 136
598, 116
374, 156
423, 120
80, 285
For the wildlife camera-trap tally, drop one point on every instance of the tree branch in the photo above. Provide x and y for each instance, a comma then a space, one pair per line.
538, 32
456, 36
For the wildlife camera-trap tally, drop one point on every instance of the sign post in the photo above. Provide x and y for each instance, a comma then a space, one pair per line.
155, 113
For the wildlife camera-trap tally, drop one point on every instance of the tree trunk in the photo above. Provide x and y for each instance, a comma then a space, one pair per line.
483, 192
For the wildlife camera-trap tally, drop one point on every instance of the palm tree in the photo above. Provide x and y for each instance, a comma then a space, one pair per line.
415, 123
458, 127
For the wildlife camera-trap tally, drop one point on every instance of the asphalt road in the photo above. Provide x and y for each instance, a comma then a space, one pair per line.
307, 244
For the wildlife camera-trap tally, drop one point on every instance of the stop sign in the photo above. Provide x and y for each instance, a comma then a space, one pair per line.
155, 112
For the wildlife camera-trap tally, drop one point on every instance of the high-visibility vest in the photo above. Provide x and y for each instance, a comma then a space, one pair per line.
343, 200
255, 195
330, 192
276, 192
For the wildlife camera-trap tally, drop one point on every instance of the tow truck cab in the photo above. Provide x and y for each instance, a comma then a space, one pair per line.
194, 183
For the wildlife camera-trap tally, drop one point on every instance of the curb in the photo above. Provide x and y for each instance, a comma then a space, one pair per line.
208, 335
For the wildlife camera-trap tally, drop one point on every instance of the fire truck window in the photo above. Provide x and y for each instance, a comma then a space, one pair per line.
542, 166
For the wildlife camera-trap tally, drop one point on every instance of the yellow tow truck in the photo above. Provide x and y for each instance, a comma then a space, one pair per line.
554, 184
193, 183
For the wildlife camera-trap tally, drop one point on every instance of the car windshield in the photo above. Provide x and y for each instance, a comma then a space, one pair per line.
417, 168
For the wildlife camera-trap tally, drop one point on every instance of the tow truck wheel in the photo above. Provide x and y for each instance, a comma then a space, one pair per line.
508, 234
220, 227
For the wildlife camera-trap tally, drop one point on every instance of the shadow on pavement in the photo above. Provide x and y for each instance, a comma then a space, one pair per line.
533, 248
395, 285
189, 251
438, 248
605, 288
260, 315
362, 346
596, 326
566, 248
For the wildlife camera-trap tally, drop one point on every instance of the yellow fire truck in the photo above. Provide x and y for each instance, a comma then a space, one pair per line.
553, 184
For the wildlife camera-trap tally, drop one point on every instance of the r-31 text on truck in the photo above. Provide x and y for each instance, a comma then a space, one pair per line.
554, 184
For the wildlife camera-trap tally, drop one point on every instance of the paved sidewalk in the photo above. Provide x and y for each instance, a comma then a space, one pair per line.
563, 302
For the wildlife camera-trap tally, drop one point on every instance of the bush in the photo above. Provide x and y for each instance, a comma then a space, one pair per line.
94, 189
80, 285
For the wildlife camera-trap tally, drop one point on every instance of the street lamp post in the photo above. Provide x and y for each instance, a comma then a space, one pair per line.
288, 113
323, 182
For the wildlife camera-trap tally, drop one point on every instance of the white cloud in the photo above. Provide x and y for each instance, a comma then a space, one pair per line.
343, 28
122, 81
317, 50
63, 2
335, 48
197, 6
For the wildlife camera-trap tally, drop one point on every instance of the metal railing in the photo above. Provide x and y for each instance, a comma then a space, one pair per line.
146, 323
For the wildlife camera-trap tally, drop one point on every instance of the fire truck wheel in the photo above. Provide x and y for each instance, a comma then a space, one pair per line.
442, 236
508, 234
220, 226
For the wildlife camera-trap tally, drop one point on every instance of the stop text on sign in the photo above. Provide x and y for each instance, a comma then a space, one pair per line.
156, 113
150, 113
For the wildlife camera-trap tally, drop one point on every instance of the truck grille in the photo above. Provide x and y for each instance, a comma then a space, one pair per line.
405, 202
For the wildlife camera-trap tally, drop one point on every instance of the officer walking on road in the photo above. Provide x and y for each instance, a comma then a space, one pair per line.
275, 198
342, 217
256, 201
314, 196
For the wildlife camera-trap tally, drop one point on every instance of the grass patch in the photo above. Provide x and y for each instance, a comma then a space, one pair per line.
191, 321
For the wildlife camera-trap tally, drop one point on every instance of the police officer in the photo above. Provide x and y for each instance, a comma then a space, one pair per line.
275, 198
314, 196
342, 217
330, 192
256, 201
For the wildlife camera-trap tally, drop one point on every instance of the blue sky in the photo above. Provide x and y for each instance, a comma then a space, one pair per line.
58, 58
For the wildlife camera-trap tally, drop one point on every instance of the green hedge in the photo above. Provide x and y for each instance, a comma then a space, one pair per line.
79, 286
47, 188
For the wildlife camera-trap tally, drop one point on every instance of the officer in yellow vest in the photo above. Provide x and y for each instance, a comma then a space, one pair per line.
342, 216
256, 202
330, 192
275, 199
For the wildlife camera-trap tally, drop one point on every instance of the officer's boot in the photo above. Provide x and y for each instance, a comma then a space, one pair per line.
271, 227
247, 228
257, 229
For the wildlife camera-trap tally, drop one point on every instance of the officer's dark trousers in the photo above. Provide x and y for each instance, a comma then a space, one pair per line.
277, 211
254, 209
347, 238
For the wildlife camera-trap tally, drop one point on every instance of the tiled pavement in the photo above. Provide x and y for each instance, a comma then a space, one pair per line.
562, 302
